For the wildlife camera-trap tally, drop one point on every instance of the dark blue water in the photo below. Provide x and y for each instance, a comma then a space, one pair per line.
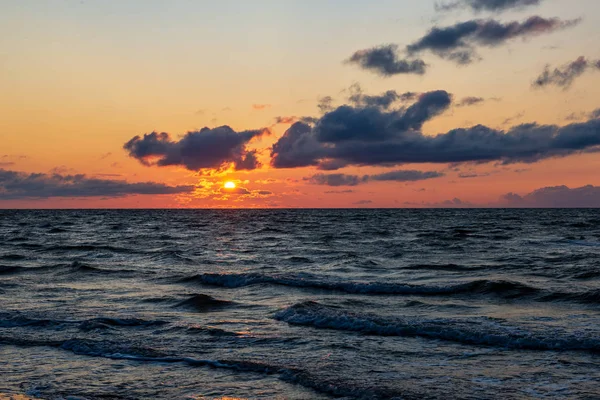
300, 304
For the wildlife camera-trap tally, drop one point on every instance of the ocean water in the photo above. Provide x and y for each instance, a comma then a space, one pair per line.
300, 304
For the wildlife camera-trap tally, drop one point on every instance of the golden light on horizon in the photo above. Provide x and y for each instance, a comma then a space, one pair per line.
229, 185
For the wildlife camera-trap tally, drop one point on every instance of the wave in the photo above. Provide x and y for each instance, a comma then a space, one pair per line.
77, 267
107, 323
20, 321
473, 331
88, 248
120, 351
443, 267
203, 303
502, 288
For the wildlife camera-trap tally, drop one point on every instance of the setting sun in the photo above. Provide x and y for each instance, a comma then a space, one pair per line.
229, 185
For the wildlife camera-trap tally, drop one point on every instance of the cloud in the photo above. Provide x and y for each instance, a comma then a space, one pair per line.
583, 115
556, 197
6, 163
361, 136
216, 148
470, 101
565, 76
354, 180
468, 175
458, 42
261, 106
20, 185
286, 120
406, 176
363, 202
386, 61
325, 104
335, 180
486, 5
238, 191
349, 127
384, 100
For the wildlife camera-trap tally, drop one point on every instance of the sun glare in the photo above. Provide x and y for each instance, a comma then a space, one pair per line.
229, 185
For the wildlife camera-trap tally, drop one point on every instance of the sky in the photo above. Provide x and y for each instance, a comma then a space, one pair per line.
300, 103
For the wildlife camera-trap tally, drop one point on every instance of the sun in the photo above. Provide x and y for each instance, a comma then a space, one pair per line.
229, 185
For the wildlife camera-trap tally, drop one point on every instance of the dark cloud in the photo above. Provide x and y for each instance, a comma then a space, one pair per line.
386, 61
352, 135
325, 104
486, 5
468, 175
470, 101
584, 115
347, 128
556, 197
284, 120
354, 180
216, 148
363, 202
336, 180
459, 42
565, 76
384, 100
406, 176
20, 185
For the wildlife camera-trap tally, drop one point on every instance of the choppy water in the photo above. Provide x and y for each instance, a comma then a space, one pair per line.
300, 304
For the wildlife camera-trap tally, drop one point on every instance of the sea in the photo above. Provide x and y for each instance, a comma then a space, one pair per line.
300, 304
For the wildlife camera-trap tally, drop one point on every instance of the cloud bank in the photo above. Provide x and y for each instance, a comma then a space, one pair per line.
353, 135
20, 185
216, 148
354, 180
556, 197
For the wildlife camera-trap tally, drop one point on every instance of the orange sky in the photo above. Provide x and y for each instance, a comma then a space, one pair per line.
80, 79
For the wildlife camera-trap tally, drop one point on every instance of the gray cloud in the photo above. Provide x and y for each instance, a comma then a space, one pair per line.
458, 42
354, 180
347, 129
20, 185
486, 5
204, 149
384, 100
335, 179
363, 202
386, 61
583, 115
354, 135
406, 176
556, 197
470, 101
565, 76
